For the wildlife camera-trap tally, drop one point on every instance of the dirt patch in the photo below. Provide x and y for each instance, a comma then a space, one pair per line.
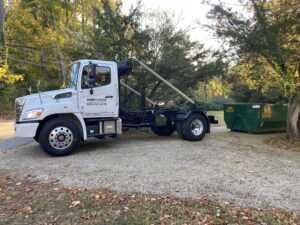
280, 141
46, 202
7, 116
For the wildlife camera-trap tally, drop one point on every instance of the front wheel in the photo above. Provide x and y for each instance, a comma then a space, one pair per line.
194, 128
59, 137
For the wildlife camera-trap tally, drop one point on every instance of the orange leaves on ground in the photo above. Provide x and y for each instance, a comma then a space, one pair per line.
74, 204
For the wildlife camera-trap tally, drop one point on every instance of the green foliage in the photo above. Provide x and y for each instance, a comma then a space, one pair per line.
115, 36
6, 77
210, 106
253, 80
266, 44
7, 90
266, 49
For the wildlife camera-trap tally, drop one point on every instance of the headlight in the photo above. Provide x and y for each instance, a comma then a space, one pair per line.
33, 114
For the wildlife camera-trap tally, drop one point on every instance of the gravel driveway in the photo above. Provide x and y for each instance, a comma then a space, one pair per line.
225, 166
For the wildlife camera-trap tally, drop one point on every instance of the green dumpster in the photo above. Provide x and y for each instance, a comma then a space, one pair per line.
255, 118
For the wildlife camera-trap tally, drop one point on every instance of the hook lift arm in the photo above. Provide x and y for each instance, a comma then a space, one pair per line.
164, 81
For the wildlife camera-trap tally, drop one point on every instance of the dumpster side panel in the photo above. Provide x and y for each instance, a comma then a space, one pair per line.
273, 118
252, 116
230, 116
255, 118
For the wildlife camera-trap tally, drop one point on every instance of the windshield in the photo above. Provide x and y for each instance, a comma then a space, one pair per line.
72, 74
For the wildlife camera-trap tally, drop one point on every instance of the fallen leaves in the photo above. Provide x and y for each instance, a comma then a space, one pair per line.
280, 142
28, 189
165, 217
28, 210
74, 204
117, 213
66, 205
89, 215
97, 197
67, 165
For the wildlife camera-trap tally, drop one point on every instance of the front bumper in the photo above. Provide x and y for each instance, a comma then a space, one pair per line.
26, 129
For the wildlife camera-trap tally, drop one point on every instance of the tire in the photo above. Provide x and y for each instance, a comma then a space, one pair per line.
194, 127
163, 131
179, 129
36, 139
59, 137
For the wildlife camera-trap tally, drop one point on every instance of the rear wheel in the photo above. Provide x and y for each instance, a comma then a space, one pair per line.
179, 129
163, 131
59, 137
194, 128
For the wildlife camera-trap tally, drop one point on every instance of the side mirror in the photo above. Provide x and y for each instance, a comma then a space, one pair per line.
92, 76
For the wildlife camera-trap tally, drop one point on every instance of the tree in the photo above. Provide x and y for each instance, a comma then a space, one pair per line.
271, 36
164, 47
253, 80
3, 11
181, 61
43, 36
6, 77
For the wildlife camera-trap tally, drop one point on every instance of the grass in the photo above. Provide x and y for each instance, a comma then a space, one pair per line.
26, 201
219, 115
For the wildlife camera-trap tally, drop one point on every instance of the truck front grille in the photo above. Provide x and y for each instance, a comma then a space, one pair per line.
18, 112
19, 107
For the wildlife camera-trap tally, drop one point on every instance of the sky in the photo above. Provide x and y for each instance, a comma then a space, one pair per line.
192, 14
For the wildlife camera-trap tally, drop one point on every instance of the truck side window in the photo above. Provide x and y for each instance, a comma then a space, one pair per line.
103, 77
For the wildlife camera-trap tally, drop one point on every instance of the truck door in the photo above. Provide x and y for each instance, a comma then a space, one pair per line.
104, 101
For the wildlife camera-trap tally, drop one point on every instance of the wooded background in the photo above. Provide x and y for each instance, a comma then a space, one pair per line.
259, 60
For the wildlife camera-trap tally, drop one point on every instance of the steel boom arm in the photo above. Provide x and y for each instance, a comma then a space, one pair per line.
165, 81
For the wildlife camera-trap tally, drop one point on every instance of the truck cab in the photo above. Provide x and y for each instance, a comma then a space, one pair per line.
89, 107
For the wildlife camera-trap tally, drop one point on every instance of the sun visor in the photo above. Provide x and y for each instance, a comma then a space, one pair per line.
124, 67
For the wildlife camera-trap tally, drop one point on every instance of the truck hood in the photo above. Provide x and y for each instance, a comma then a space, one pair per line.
45, 97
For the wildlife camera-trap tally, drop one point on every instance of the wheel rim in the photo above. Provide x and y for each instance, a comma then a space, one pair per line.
197, 127
60, 138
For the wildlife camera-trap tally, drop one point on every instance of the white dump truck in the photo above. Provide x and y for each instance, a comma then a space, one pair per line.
89, 107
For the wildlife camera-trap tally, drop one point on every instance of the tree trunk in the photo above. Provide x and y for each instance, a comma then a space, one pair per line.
2, 41
154, 89
43, 66
205, 90
75, 14
67, 14
53, 18
293, 120
82, 17
62, 64
143, 94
